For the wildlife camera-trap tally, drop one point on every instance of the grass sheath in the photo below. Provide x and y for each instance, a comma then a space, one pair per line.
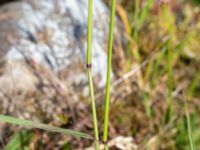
109, 66
89, 71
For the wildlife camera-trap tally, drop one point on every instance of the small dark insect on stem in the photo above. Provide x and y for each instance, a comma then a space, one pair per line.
88, 66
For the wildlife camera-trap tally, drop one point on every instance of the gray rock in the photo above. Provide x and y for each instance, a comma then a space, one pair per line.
53, 33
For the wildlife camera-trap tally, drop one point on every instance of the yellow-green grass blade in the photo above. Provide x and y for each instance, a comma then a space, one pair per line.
190, 133
28, 123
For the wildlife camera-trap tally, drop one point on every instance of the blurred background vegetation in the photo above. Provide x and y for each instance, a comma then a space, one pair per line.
166, 34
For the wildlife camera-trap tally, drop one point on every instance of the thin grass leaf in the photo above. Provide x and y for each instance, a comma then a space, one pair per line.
19, 141
147, 104
190, 134
156, 69
194, 84
27, 123
144, 13
169, 84
136, 19
140, 17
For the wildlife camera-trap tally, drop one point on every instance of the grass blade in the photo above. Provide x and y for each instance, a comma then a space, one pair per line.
190, 134
144, 13
194, 84
170, 85
28, 123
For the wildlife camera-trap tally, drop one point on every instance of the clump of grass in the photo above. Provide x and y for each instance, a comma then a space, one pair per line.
139, 18
20, 140
169, 30
109, 68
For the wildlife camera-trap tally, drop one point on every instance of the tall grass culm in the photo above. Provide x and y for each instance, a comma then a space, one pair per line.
109, 68
89, 72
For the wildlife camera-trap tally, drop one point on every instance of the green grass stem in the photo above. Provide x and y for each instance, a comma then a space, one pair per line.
95, 122
89, 71
109, 68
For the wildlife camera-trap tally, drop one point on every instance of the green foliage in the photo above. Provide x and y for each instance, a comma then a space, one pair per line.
193, 85
182, 140
189, 128
140, 16
67, 146
196, 1
147, 104
20, 141
182, 136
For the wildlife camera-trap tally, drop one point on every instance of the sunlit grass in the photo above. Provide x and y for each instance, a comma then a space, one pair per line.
89, 71
109, 69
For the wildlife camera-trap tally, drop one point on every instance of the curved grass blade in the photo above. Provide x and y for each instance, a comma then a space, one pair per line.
42, 126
